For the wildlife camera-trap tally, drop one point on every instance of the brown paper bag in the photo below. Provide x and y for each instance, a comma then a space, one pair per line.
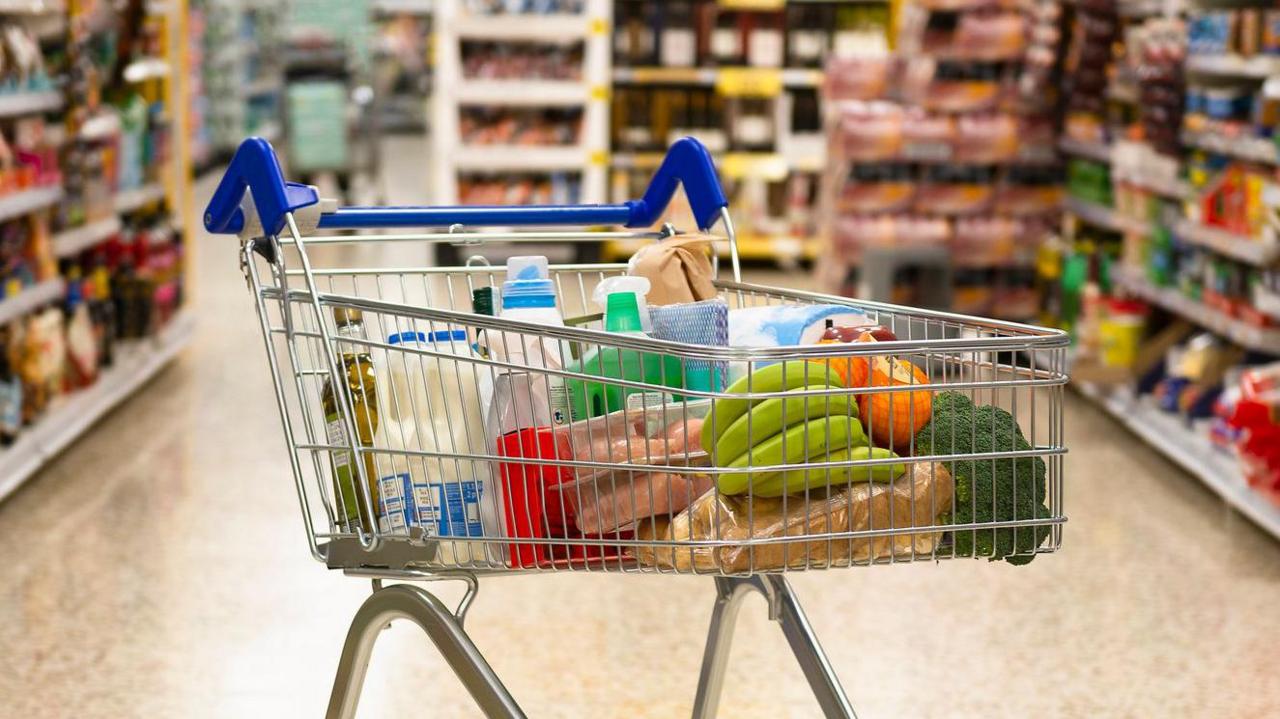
678, 269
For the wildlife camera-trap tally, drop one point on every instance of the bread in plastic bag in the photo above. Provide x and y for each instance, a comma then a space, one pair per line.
917, 498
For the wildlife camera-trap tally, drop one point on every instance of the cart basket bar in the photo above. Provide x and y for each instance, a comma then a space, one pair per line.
256, 169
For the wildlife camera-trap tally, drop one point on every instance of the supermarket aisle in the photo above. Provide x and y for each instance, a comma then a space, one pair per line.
158, 569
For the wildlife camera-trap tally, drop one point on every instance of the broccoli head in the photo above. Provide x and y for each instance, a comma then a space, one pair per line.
988, 490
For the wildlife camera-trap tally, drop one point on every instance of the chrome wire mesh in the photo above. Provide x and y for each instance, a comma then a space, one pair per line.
627, 486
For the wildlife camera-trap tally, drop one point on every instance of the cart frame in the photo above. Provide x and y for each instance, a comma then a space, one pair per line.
254, 202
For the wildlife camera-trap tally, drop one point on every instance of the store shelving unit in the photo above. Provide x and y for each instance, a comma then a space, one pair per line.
135, 364
1103, 216
586, 159
1188, 446
1260, 251
135, 361
1246, 335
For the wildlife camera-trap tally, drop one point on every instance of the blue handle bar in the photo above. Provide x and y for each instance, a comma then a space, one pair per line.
255, 168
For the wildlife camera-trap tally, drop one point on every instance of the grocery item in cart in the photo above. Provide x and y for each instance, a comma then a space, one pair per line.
529, 400
913, 499
995, 490
622, 315
431, 404
697, 323
360, 389
678, 269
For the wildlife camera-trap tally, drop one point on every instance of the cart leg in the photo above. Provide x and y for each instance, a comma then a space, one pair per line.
785, 609
729, 595
402, 601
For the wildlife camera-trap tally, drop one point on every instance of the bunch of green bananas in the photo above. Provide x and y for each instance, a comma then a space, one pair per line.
748, 434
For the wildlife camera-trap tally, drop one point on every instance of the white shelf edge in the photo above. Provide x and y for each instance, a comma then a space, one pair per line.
1255, 252
26, 103
129, 200
70, 242
514, 92
548, 28
1258, 67
1096, 151
1189, 449
75, 413
1103, 216
517, 157
1246, 335
1255, 149
26, 201
31, 298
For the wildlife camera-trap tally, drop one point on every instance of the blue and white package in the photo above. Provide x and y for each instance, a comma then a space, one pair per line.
785, 326
441, 509
699, 323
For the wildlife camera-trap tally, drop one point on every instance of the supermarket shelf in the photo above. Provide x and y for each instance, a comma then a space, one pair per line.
1188, 447
1260, 252
131, 200
732, 165
65, 422
1096, 151
1254, 149
1103, 216
532, 93
20, 203
1244, 334
146, 68
100, 127
520, 158
264, 86
27, 103
31, 298
547, 28
791, 77
408, 7
1259, 67
33, 7
71, 242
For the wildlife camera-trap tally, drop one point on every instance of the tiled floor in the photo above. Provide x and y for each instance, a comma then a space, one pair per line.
158, 569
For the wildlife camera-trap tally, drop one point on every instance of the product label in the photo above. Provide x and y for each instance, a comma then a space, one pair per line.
343, 473
808, 44
679, 47
558, 398
11, 406
765, 48
724, 42
441, 509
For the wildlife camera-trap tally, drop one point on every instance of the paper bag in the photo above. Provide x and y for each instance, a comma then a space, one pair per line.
678, 269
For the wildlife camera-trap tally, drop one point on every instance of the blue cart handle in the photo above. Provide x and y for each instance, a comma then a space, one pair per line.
255, 168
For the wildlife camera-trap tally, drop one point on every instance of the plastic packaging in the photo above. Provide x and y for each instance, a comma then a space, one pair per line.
521, 400
914, 499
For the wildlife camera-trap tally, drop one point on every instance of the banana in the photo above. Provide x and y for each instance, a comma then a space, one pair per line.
791, 446
771, 416
797, 480
778, 377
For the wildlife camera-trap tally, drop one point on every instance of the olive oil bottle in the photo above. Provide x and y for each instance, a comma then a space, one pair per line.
356, 367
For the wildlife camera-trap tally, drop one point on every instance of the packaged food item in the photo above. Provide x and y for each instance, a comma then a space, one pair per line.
914, 499
678, 269
703, 323
529, 399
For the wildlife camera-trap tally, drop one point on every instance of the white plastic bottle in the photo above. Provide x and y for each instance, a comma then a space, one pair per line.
433, 406
527, 399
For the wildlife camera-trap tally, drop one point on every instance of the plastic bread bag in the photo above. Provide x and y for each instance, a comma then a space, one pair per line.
914, 499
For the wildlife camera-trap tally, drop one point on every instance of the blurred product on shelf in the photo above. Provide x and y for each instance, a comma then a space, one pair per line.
512, 7
486, 60
490, 126
514, 189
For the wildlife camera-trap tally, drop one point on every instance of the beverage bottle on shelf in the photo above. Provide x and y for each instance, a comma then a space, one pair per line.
807, 36
101, 308
82, 345
726, 40
765, 42
678, 42
360, 391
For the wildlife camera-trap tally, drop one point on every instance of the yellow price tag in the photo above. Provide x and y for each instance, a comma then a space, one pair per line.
754, 165
752, 4
599, 26
598, 158
749, 82
599, 92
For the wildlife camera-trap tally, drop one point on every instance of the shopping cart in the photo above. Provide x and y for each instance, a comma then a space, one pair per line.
423, 445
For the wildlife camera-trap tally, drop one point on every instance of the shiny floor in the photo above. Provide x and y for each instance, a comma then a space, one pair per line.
158, 569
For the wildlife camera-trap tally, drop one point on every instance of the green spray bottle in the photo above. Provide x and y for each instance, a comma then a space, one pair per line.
624, 313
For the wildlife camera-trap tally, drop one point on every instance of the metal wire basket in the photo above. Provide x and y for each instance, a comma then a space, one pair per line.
427, 440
